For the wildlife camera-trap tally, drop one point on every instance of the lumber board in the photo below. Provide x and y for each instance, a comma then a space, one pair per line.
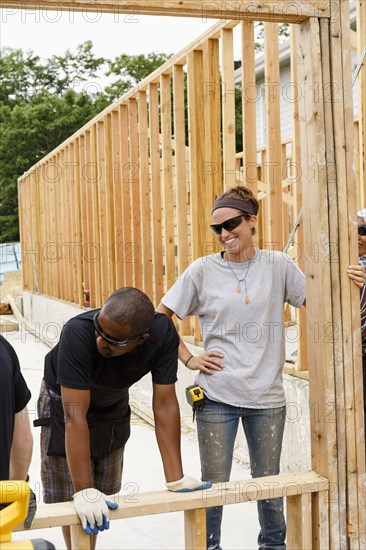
103, 210
180, 180
273, 165
79, 539
249, 96
88, 209
78, 260
195, 529
339, 382
117, 199
299, 235
95, 244
128, 254
341, 80
213, 171
112, 262
135, 192
155, 175
199, 194
167, 178
83, 207
265, 10
145, 212
160, 502
8, 326
299, 522
361, 43
318, 278
228, 109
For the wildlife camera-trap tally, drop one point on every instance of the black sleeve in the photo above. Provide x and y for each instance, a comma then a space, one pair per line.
75, 356
22, 393
165, 369
14, 396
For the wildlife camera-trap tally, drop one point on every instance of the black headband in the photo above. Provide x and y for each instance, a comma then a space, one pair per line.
239, 204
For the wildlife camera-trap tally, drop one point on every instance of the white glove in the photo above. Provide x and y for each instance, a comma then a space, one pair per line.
92, 507
187, 484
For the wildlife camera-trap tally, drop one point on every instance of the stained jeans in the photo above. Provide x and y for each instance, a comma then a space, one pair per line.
217, 425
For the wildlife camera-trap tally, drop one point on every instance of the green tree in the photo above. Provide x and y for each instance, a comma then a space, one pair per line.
131, 69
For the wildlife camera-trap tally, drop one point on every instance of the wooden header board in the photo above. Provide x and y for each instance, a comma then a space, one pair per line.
284, 11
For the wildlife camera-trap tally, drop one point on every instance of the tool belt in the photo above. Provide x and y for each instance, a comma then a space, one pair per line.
107, 433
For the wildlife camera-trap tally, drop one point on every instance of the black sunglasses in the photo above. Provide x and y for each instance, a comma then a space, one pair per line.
362, 230
112, 341
229, 224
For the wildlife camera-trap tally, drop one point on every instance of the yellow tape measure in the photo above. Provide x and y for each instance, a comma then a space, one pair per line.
195, 396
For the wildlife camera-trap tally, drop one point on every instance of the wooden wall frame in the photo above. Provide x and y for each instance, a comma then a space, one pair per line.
326, 155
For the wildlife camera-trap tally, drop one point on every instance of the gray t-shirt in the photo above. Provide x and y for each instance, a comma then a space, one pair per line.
250, 335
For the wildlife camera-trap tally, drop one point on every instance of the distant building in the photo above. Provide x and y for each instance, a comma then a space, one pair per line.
289, 91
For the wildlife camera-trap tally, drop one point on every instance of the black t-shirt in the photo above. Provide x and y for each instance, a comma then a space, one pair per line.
14, 396
75, 362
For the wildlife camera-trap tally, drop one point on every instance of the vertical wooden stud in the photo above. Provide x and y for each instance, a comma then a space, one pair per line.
147, 268
228, 108
273, 117
249, 99
129, 248
180, 177
299, 524
195, 529
167, 173
135, 193
79, 539
157, 234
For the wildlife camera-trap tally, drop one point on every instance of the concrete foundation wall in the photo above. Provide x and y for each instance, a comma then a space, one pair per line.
49, 316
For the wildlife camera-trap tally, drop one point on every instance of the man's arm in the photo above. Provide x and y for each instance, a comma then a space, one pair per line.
167, 429
21, 447
76, 404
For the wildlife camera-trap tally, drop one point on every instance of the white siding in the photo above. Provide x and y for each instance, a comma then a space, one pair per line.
290, 92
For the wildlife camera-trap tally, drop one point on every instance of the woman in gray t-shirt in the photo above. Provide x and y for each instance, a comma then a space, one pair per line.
239, 297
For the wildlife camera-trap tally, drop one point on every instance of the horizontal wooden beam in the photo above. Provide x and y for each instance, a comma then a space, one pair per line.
160, 502
284, 11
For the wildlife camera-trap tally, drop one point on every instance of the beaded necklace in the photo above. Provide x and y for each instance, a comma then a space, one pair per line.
243, 280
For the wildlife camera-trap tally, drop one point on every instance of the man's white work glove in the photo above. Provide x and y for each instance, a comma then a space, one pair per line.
187, 484
92, 507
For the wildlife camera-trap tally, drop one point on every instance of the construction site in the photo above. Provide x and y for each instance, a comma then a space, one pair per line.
126, 202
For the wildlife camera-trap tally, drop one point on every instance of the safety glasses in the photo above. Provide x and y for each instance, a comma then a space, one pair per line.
362, 230
112, 341
228, 225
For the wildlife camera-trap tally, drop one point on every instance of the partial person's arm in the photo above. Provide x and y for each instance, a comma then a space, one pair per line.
22, 446
76, 404
167, 429
205, 362
90, 504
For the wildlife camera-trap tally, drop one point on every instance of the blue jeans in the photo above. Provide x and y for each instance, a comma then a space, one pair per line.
217, 425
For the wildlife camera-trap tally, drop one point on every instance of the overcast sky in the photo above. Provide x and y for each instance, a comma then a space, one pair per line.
53, 32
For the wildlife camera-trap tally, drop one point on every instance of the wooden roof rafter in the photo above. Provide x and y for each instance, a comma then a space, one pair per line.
283, 11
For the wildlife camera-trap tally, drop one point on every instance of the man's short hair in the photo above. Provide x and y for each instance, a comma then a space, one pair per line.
130, 306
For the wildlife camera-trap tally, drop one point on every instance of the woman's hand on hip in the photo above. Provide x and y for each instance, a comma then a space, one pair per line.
207, 362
